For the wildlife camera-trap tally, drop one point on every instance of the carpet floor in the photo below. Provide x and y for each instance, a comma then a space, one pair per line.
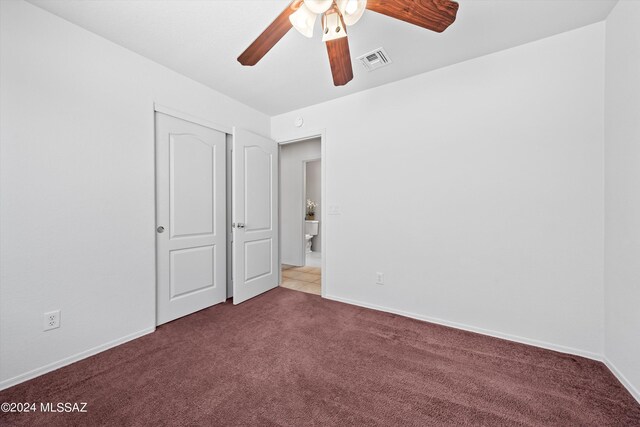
289, 358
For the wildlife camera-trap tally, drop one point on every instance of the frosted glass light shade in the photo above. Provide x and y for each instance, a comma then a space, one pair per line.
303, 20
333, 27
318, 6
352, 10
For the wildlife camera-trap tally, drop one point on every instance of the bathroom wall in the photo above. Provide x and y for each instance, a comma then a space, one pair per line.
314, 192
292, 203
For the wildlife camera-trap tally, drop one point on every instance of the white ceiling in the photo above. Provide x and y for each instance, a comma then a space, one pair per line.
201, 39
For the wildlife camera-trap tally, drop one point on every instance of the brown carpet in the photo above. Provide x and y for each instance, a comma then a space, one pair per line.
290, 358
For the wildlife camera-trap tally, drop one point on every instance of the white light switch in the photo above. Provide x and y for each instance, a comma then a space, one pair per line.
335, 210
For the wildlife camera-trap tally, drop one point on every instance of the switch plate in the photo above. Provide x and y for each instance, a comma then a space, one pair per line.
379, 278
51, 320
334, 210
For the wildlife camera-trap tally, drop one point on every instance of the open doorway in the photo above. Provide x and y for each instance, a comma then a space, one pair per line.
300, 213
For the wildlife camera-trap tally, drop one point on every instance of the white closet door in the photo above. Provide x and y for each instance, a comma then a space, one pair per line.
255, 211
191, 215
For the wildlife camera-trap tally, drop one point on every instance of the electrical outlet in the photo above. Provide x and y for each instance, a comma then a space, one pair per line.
51, 320
379, 278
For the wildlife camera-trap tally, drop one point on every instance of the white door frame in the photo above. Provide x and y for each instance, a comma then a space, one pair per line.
323, 191
160, 108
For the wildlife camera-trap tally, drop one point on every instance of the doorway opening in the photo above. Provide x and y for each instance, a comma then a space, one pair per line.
301, 212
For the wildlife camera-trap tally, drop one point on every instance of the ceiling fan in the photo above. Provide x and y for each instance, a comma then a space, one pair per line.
336, 15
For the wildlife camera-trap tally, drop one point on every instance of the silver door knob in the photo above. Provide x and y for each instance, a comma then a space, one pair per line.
240, 225
161, 229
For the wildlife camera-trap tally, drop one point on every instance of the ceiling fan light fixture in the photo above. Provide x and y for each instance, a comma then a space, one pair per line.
332, 26
352, 10
318, 6
303, 20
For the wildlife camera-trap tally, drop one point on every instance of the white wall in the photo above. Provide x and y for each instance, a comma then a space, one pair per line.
622, 193
77, 186
292, 203
313, 183
478, 193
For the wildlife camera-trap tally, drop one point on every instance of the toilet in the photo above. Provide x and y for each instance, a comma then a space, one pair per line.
310, 230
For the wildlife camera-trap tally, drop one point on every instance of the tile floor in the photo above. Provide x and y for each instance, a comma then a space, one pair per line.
305, 279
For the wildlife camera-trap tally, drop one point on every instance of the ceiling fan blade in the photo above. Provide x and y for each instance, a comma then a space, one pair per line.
270, 36
340, 60
435, 15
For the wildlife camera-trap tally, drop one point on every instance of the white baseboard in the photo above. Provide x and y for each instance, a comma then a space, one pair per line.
625, 382
71, 359
495, 334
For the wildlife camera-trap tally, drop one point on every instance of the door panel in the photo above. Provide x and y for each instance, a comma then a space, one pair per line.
190, 198
192, 173
255, 210
260, 253
191, 270
258, 188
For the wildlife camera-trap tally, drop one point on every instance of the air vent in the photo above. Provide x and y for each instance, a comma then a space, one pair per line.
375, 59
